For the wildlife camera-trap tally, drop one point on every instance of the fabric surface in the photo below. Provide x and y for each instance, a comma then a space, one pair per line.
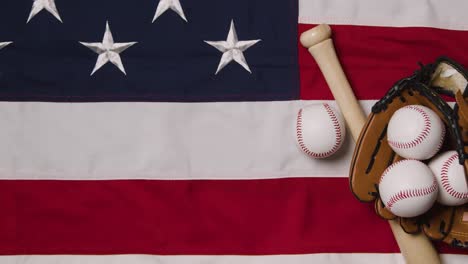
136, 149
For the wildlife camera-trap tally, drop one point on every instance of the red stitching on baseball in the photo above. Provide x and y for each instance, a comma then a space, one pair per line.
445, 180
405, 194
338, 134
421, 137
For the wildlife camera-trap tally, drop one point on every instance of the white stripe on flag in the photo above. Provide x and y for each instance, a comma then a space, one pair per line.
398, 13
243, 140
334, 258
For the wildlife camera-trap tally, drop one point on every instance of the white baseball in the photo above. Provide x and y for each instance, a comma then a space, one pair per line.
408, 188
450, 175
415, 132
320, 130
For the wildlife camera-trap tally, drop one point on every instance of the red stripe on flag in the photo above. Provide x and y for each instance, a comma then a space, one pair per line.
374, 58
280, 216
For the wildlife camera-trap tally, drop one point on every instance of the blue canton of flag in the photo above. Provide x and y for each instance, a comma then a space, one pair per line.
115, 50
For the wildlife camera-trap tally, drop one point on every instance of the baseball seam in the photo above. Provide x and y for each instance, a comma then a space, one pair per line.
422, 135
336, 126
405, 194
445, 179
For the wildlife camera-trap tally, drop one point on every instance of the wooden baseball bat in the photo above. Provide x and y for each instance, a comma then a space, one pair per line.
414, 248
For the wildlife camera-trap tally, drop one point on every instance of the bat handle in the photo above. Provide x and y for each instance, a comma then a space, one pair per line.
318, 41
414, 248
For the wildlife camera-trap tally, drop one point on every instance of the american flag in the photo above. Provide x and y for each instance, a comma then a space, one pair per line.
162, 131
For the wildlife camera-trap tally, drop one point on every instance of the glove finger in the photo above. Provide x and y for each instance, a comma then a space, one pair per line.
410, 225
362, 184
439, 221
382, 211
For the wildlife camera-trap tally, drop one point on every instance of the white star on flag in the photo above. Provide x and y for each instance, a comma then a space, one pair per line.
232, 49
108, 50
39, 5
164, 5
4, 44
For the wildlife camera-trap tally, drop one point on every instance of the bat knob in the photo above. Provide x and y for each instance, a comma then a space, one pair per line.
315, 35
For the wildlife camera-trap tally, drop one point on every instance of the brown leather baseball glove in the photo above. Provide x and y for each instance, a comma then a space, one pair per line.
373, 153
